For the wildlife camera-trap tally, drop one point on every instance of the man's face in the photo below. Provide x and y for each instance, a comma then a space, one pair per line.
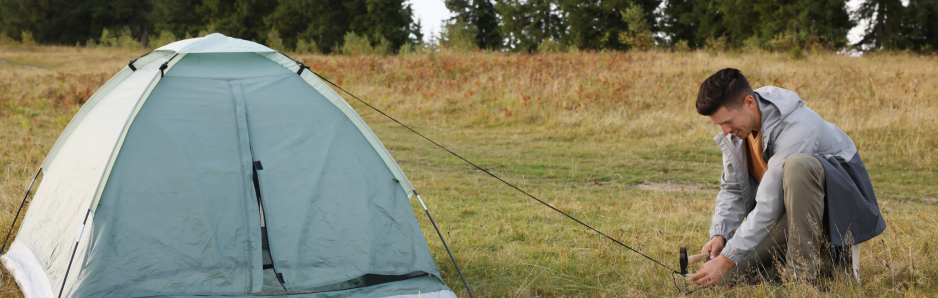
738, 121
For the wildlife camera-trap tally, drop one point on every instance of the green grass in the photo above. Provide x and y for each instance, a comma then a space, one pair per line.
580, 131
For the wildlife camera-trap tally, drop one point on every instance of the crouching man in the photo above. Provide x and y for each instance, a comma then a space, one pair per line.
797, 180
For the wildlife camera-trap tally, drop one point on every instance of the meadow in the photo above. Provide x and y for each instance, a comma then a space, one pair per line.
611, 138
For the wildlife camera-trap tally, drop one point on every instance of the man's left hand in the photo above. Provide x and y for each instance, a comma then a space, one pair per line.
712, 272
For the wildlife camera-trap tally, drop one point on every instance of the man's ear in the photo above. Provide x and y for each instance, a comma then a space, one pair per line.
750, 101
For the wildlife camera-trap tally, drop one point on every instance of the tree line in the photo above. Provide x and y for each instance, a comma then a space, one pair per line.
503, 25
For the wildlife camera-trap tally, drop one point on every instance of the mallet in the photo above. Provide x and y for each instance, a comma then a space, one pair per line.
685, 260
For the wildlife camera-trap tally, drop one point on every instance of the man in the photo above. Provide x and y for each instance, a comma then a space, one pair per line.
797, 180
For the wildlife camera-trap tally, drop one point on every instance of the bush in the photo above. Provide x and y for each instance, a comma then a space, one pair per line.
274, 41
716, 45
681, 46
638, 36
123, 40
306, 46
27, 38
752, 44
550, 46
166, 37
459, 36
358, 45
382, 46
784, 42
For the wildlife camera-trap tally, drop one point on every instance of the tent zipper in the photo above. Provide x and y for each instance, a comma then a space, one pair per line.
265, 238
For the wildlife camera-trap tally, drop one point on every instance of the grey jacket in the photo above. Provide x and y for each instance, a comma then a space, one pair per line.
788, 127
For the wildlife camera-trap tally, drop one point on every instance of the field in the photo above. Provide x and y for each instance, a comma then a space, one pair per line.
609, 137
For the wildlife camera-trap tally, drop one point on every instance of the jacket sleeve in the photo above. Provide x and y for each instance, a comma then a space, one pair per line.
730, 203
798, 137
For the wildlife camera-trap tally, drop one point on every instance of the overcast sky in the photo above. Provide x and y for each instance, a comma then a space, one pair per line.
432, 13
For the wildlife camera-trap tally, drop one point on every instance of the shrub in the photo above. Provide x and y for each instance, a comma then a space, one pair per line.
550, 46
356, 45
306, 46
166, 37
27, 38
274, 41
638, 36
459, 36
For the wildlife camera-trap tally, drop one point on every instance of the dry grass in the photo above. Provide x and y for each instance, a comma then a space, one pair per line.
580, 131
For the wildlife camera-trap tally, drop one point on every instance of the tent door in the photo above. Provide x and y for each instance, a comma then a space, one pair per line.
268, 259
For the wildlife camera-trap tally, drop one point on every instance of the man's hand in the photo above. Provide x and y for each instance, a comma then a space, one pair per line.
714, 247
711, 273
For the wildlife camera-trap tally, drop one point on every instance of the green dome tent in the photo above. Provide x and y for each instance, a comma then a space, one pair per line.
210, 168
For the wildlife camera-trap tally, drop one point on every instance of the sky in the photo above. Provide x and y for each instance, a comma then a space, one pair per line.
431, 14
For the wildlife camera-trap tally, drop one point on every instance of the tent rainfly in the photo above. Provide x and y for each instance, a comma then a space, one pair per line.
210, 168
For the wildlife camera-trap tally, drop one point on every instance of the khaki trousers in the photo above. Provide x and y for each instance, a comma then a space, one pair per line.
793, 248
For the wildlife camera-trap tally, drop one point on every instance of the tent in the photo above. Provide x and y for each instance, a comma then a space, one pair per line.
218, 167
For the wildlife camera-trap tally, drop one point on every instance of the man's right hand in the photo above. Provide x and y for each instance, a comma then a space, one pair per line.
714, 247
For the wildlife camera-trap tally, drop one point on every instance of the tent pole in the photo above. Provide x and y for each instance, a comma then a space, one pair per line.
26, 195
69, 268
464, 283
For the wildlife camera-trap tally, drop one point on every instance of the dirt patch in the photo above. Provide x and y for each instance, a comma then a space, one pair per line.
659, 186
20, 64
930, 200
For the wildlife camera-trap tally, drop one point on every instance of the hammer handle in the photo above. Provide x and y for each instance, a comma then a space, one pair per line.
697, 258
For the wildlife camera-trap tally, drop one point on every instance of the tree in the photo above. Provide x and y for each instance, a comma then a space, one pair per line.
823, 22
922, 25
896, 27
323, 22
478, 17
595, 24
525, 25
180, 17
72, 21
389, 19
820, 22
678, 21
326, 23
237, 18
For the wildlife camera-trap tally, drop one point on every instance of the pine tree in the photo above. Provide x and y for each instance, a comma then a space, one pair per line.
389, 19
72, 21
320, 22
237, 18
678, 22
525, 25
479, 17
897, 27
177, 16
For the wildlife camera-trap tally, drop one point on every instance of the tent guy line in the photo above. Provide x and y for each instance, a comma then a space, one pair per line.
490, 173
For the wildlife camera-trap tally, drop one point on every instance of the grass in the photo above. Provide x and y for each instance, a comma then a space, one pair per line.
580, 131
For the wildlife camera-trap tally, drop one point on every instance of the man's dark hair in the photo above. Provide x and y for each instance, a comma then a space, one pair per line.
725, 88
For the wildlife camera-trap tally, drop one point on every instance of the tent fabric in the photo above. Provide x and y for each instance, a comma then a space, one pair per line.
215, 43
418, 287
162, 166
340, 103
29, 274
146, 60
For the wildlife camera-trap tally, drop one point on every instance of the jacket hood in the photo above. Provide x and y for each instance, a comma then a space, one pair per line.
776, 104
